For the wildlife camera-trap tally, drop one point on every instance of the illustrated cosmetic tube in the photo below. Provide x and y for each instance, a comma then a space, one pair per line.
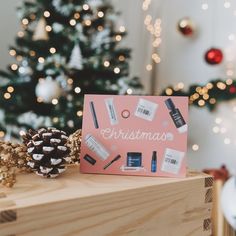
89, 159
112, 161
154, 162
132, 169
111, 111
96, 147
176, 116
95, 120
134, 159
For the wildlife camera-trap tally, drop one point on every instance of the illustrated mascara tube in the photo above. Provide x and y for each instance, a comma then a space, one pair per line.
111, 111
95, 120
112, 161
96, 147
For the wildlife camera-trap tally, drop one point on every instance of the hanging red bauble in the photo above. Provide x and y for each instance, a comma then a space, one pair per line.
186, 26
232, 89
214, 56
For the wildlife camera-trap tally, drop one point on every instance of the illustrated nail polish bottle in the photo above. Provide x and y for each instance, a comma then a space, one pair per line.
176, 116
154, 162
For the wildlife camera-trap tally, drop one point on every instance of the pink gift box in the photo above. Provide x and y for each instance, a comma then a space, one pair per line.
134, 135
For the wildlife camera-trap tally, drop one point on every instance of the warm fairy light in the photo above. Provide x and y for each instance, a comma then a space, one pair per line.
20, 34
121, 58
77, 89
122, 29
52, 50
218, 120
25, 21
14, 66
118, 38
212, 101
39, 99
54, 101
2, 134
41, 60
156, 58
55, 119
10, 89
48, 28
7, 95
227, 140
129, 91
195, 147
76, 15
221, 85
12, 52
79, 113
195, 96
209, 85
87, 22
216, 129
72, 22
201, 102
149, 67
19, 58
229, 73
32, 16
70, 81
100, 14
100, 28
22, 132
169, 91
146, 4
231, 37
32, 53
180, 85
85, 7
106, 63
116, 70
205, 96
204, 6
227, 4
46, 13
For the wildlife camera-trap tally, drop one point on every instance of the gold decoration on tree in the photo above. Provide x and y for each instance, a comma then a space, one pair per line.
74, 143
12, 157
40, 32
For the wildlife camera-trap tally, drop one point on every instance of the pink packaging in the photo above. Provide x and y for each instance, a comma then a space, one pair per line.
134, 135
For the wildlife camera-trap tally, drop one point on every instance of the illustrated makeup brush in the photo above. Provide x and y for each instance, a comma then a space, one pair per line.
112, 161
92, 109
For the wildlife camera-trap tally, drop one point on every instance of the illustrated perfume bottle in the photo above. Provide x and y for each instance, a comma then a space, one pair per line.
154, 162
176, 116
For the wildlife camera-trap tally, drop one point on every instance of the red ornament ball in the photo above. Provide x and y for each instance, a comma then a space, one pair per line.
186, 27
214, 56
232, 89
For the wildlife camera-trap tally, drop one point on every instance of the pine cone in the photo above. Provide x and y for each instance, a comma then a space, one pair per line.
48, 151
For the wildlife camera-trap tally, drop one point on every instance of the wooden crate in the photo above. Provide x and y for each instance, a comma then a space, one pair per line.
98, 205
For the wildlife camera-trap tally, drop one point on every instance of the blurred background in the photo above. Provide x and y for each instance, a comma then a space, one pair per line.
76, 47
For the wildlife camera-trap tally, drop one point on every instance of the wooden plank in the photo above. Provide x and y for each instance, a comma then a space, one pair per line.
87, 205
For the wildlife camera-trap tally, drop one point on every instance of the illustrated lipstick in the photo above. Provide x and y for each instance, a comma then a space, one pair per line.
112, 161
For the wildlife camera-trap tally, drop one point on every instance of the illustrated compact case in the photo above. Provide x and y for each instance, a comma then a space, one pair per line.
134, 135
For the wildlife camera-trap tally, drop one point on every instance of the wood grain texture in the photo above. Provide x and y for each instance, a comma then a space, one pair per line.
98, 205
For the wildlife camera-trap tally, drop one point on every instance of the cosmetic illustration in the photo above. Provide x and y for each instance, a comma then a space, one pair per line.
146, 109
132, 169
89, 159
134, 159
172, 161
176, 116
125, 114
93, 112
96, 147
154, 162
111, 111
112, 161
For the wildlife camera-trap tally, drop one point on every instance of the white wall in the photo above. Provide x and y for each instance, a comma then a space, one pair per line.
182, 60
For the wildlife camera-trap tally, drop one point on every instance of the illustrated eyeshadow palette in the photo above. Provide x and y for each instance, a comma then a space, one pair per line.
134, 135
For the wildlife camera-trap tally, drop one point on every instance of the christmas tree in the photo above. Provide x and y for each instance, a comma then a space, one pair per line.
64, 50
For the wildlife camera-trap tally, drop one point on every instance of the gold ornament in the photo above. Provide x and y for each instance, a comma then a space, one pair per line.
74, 143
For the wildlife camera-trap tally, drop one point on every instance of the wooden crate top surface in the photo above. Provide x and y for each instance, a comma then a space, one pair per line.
31, 189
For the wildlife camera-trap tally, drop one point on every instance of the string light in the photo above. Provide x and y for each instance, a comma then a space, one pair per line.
100, 14
72, 22
25, 21
2, 134
32, 16
14, 66
87, 22
100, 28
52, 50
55, 119
121, 58
195, 147
106, 63
169, 91
122, 29
46, 14
10, 89
204, 6
149, 67
12, 52
116, 70
76, 15
7, 95
54, 101
41, 60
227, 141
231, 37
20, 34
32, 53
70, 81
118, 38
227, 4
79, 113
129, 91
85, 7
48, 28
77, 89
39, 99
